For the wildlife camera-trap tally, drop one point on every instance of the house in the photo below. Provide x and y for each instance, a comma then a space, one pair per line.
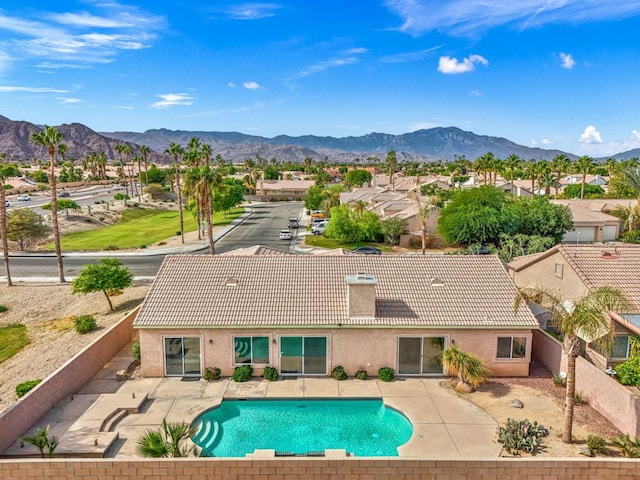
305, 314
282, 189
589, 224
572, 271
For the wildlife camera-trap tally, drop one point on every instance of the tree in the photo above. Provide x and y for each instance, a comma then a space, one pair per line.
392, 229
478, 215
469, 368
391, 162
313, 200
24, 227
154, 175
176, 151
583, 191
6, 170
583, 165
51, 140
41, 440
108, 276
144, 151
271, 172
358, 177
511, 164
167, 442
560, 165
538, 216
204, 182
585, 319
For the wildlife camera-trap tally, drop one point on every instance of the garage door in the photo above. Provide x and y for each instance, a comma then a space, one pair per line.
581, 235
609, 234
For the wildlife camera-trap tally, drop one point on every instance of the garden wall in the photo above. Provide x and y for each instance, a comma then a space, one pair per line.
315, 469
619, 404
67, 379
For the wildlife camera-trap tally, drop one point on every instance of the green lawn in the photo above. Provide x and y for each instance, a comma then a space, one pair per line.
138, 227
324, 242
13, 338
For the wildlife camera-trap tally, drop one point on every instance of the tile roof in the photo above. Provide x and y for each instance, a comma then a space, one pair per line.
303, 290
257, 250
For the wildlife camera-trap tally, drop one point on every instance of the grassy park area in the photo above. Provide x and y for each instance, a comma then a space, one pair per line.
13, 338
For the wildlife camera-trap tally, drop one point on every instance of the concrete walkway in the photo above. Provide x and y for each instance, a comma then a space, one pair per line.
106, 416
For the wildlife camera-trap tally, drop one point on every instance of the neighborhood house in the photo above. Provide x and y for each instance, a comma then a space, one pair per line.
305, 315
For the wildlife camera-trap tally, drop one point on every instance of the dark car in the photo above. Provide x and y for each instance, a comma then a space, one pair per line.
368, 250
63, 193
293, 223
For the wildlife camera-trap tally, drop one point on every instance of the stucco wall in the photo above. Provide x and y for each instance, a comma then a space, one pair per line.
316, 469
354, 349
20, 416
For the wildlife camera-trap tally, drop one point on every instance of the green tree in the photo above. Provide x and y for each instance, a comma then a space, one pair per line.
391, 161
271, 172
167, 442
108, 276
144, 151
204, 183
39, 176
560, 165
154, 175
176, 151
24, 227
63, 204
538, 216
392, 229
583, 191
469, 368
511, 164
51, 140
230, 194
41, 440
478, 215
314, 200
7, 170
356, 177
348, 226
583, 166
584, 319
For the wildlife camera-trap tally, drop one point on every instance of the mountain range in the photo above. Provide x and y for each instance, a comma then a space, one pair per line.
421, 146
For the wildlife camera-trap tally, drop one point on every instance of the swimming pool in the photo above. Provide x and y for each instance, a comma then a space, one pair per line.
362, 427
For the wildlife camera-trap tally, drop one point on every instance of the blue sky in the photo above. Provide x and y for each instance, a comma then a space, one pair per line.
551, 73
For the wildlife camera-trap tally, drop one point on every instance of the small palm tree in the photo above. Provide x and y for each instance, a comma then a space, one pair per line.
586, 318
167, 442
176, 151
42, 441
469, 368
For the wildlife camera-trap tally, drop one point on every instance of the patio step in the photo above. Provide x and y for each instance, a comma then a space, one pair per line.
207, 433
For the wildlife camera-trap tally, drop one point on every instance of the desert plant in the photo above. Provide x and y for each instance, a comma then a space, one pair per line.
135, 351
338, 373
85, 324
25, 387
386, 374
578, 399
520, 436
166, 442
242, 374
211, 373
558, 380
270, 373
629, 448
3, 308
469, 368
597, 444
362, 375
41, 440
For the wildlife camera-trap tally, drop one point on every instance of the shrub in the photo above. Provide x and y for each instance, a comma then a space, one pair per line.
178, 232
23, 388
578, 399
88, 220
386, 374
135, 351
362, 375
628, 373
558, 381
211, 373
101, 219
597, 444
143, 246
3, 308
629, 448
338, 373
112, 247
121, 196
520, 436
85, 324
242, 374
270, 373
632, 236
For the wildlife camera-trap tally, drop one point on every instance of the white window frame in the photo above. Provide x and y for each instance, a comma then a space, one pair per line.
511, 357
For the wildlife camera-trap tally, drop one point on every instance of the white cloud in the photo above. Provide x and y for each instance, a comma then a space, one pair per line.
413, 127
475, 93
251, 85
450, 65
567, 61
173, 99
322, 66
62, 65
356, 51
124, 107
252, 11
470, 18
409, 56
546, 141
635, 135
68, 100
231, 85
534, 141
11, 89
590, 135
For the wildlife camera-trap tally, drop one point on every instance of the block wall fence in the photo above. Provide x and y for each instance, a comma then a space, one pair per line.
67, 379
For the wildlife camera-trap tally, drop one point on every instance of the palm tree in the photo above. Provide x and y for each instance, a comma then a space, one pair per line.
205, 151
144, 151
204, 182
469, 368
511, 163
167, 442
51, 139
583, 165
41, 440
391, 162
560, 165
530, 170
176, 151
6, 170
587, 319
547, 181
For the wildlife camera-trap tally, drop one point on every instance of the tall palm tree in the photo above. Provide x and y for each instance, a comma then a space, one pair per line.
204, 182
51, 140
560, 165
391, 162
176, 151
547, 181
511, 164
583, 165
144, 151
585, 318
138, 160
206, 152
6, 170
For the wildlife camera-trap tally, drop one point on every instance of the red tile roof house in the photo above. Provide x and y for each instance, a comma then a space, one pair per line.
306, 314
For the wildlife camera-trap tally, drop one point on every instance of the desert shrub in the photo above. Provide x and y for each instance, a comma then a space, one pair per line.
211, 373
3, 308
242, 374
143, 246
521, 436
338, 373
121, 196
84, 324
135, 351
362, 375
386, 374
632, 236
112, 247
270, 373
578, 399
25, 387
629, 448
178, 232
628, 373
597, 444
558, 381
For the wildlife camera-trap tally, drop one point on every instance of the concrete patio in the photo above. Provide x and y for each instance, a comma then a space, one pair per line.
107, 416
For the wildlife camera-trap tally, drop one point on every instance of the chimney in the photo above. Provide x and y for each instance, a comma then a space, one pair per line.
361, 295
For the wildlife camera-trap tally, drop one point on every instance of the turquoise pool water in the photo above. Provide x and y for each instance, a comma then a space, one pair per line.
363, 428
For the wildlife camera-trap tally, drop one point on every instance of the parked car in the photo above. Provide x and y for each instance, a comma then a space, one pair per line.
368, 250
7, 203
118, 187
320, 227
293, 223
64, 194
24, 198
285, 235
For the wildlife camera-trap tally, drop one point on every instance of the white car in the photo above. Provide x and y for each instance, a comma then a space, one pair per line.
285, 235
118, 187
24, 198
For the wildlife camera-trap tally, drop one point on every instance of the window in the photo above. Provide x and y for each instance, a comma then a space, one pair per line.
620, 347
559, 267
251, 350
512, 347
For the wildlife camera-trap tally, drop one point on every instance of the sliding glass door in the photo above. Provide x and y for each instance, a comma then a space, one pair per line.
182, 356
420, 355
303, 355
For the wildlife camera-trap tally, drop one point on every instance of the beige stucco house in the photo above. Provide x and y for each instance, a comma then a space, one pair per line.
572, 271
306, 314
